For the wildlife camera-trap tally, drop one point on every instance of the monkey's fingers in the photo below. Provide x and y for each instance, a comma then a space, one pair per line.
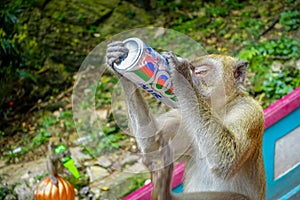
112, 59
115, 43
178, 65
119, 48
115, 52
171, 58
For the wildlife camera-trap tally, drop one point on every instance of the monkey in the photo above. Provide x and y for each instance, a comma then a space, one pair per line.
53, 163
215, 112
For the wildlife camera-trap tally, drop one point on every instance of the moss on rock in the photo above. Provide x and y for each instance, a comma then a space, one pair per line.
80, 12
125, 17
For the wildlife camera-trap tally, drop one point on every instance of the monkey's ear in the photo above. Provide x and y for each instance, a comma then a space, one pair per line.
239, 71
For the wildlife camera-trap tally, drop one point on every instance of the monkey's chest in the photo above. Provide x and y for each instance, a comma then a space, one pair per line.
200, 177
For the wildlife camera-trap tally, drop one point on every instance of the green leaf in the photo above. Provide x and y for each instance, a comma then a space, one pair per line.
27, 74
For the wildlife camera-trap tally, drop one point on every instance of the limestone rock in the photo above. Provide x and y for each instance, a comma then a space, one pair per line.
130, 159
104, 162
96, 172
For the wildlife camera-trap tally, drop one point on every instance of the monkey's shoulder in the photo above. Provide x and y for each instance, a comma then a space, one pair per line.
246, 111
246, 103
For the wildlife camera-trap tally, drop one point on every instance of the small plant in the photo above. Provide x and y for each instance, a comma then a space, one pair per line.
67, 118
283, 48
279, 83
104, 89
290, 20
110, 139
40, 138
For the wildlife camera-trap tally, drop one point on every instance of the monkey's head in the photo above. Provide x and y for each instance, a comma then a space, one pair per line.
219, 76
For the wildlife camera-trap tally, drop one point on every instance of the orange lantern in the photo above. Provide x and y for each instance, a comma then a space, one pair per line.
47, 190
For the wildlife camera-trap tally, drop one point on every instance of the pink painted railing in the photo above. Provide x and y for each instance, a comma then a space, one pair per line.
282, 107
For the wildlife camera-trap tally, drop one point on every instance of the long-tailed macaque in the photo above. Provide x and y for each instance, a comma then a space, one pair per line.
224, 124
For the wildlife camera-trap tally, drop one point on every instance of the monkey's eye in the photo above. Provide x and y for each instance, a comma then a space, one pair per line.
201, 70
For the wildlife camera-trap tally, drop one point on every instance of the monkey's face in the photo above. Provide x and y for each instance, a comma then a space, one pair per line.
214, 76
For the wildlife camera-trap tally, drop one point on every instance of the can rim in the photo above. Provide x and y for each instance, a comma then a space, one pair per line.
134, 54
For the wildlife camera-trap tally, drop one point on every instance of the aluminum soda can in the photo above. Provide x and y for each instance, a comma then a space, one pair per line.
148, 69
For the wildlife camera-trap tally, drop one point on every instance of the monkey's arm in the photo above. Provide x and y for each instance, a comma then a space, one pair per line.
142, 123
227, 144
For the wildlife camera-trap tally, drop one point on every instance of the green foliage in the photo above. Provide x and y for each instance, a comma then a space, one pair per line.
40, 138
170, 5
290, 19
17, 50
137, 182
1, 134
40, 177
272, 82
104, 90
217, 11
26, 74
108, 140
43, 133
234, 4
11, 32
248, 54
109, 137
258, 53
111, 142
281, 47
279, 83
251, 25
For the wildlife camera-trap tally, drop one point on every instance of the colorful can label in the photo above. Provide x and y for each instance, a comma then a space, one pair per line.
148, 69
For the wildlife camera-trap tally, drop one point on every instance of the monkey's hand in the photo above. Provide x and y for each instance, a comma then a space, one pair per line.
178, 65
114, 53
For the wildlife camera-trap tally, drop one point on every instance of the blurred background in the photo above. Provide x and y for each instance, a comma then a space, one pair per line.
43, 43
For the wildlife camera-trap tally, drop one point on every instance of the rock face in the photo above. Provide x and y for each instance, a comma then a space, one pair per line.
59, 34
67, 30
